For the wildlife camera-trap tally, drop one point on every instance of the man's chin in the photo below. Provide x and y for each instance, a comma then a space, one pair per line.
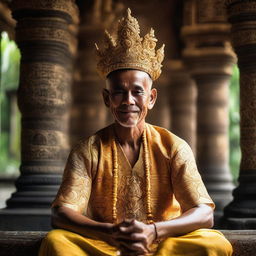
127, 124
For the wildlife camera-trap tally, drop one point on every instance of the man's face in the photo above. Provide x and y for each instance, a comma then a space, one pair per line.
128, 94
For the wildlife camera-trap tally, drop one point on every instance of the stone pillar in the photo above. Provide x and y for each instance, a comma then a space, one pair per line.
89, 113
42, 34
209, 58
241, 212
182, 95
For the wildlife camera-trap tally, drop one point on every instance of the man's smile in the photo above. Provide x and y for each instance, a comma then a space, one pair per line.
126, 112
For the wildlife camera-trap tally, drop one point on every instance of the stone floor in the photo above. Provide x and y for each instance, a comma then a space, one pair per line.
26, 243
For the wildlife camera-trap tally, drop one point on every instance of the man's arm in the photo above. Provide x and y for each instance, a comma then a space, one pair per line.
66, 218
193, 219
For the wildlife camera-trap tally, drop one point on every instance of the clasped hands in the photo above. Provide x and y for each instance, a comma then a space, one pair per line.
133, 238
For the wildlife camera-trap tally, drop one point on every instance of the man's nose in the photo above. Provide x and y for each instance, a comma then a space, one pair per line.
128, 99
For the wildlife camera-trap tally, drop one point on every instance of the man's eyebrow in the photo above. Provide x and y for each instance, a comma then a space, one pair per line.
138, 87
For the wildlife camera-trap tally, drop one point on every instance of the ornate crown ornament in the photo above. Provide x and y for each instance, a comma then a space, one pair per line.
129, 51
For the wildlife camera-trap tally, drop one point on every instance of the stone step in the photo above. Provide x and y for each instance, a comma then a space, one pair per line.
20, 243
243, 241
24, 243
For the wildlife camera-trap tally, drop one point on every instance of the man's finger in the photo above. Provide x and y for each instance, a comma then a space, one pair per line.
139, 247
131, 237
131, 229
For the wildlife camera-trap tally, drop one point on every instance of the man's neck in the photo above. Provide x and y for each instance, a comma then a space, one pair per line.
129, 136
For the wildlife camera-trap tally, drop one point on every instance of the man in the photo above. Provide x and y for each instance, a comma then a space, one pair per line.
132, 188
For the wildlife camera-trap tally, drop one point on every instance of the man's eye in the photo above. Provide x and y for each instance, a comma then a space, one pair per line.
139, 92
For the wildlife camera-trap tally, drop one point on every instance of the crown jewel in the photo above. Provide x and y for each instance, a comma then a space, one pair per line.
129, 51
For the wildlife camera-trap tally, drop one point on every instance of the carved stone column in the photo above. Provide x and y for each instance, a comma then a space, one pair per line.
209, 58
89, 113
42, 34
241, 212
182, 95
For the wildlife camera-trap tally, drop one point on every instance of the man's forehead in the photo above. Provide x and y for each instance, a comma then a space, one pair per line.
128, 73
128, 76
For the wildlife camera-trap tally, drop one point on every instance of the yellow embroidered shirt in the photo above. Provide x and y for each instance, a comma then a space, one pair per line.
176, 185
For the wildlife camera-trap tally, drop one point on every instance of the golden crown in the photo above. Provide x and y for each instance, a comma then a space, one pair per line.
129, 50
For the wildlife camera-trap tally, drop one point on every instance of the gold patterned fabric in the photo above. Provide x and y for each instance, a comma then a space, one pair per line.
176, 185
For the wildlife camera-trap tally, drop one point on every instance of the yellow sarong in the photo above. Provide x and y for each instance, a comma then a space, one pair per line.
202, 242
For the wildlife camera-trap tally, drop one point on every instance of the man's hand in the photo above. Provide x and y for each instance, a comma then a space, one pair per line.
134, 237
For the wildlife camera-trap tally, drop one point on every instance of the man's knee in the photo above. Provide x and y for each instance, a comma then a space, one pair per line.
215, 243
53, 234
204, 242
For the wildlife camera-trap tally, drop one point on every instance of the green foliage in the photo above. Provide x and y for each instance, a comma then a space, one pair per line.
8, 165
9, 78
234, 125
10, 63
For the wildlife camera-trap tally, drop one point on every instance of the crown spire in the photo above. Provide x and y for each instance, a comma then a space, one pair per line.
129, 51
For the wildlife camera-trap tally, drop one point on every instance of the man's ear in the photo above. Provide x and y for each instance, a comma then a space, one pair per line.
153, 97
105, 95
